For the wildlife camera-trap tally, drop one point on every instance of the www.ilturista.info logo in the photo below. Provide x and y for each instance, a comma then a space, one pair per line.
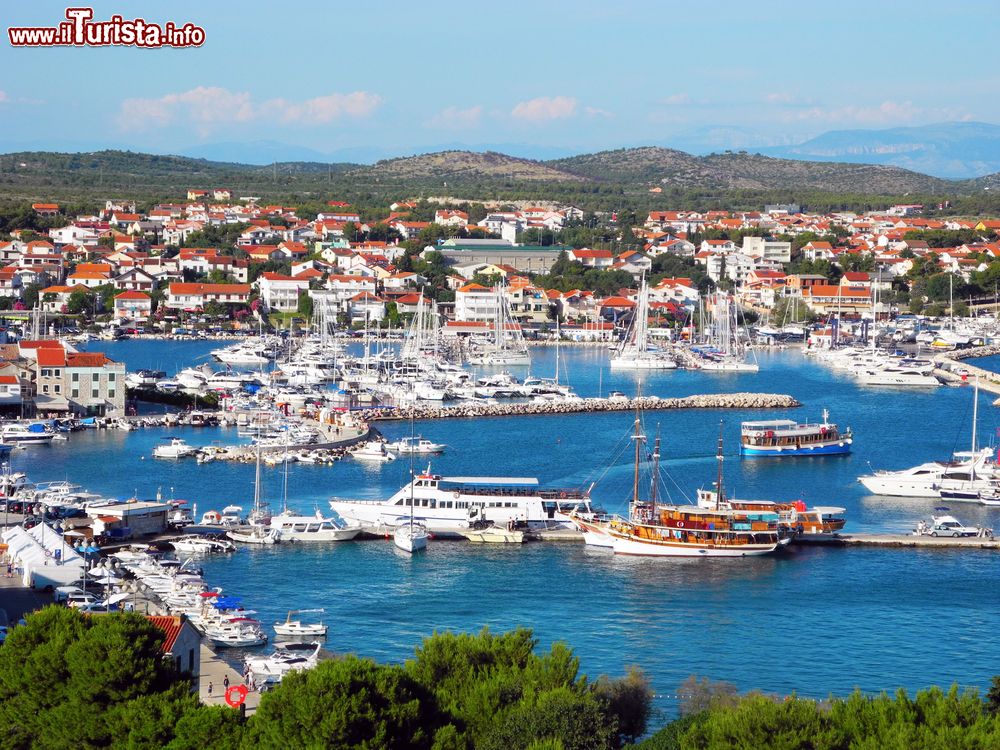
80, 30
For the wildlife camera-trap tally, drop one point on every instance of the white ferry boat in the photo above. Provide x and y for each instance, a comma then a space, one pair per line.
449, 505
785, 437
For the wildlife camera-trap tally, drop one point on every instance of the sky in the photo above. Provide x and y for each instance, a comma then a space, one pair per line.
396, 78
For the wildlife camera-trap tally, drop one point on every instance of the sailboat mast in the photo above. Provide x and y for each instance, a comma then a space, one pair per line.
635, 478
718, 480
656, 468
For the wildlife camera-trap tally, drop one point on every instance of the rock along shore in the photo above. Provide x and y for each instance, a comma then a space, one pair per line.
590, 405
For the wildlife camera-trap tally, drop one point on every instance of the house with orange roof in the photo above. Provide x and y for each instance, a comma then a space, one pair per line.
823, 299
181, 643
366, 307
451, 218
133, 305
475, 302
192, 296
10, 283
592, 258
45, 209
89, 279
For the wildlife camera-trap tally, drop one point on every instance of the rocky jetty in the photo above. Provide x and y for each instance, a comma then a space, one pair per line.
589, 405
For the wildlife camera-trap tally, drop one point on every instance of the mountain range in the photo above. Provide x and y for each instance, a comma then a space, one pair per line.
632, 170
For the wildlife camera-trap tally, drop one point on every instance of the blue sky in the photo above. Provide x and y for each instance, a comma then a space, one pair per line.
574, 76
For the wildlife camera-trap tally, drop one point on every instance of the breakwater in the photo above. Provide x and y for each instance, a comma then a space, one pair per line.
589, 405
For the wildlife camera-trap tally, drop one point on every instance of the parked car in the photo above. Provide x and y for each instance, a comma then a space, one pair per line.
950, 526
81, 600
62, 593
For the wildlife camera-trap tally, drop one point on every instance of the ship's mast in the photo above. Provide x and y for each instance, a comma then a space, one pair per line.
718, 481
656, 468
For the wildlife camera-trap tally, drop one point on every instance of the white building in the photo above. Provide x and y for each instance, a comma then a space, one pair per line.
767, 249
280, 292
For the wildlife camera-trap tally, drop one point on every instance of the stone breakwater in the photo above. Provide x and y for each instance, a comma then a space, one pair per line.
975, 351
590, 405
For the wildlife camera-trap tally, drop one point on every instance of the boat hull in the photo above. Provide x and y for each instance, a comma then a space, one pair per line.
839, 448
634, 547
626, 363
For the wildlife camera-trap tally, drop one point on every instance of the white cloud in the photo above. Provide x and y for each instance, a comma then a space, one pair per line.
455, 118
545, 108
3, 97
210, 106
596, 112
779, 97
324, 109
878, 114
673, 99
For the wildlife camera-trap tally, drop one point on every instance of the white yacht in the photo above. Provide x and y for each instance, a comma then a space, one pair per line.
450, 505
410, 537
267, 671
294, 528
897, 375
254, 535
202, 545
296, 627
415, 446
19, 433
928, 479
176, 448
373, 450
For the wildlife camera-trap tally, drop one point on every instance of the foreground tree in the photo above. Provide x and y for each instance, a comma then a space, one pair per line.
353, 703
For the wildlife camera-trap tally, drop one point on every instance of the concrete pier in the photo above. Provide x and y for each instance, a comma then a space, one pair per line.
214, 671
952, 368
589, 405
898, 540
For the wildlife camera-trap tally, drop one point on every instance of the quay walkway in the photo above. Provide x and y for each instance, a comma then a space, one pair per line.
952, 367
589, 405
898, 540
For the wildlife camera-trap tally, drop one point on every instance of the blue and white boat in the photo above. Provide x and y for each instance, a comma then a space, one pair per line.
785, 437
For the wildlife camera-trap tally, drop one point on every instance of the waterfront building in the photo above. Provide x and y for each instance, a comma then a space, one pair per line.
181, 643
281, 292
133, 305
184, 296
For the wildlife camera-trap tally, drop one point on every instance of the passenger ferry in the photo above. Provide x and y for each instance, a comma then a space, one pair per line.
450, 504
784, 437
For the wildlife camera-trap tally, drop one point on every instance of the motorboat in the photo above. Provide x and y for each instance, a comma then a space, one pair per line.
254, 535
175, 448
202, 545
316, 528
373, 451
296, 627
966, 471
494, 535
19, 433
897, 376
415, 446
264, 672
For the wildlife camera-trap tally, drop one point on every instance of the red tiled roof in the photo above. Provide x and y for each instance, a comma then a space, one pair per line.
41, 344
132, 295
171, 627
51, 357
179, 287
87, 359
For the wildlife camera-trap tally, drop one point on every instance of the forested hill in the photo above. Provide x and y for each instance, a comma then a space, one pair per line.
626, 171
744, 171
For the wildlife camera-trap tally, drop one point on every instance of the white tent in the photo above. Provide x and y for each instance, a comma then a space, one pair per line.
46, 560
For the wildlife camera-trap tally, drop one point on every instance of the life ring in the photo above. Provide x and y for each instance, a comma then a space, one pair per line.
680, 524
562, 495
240, 695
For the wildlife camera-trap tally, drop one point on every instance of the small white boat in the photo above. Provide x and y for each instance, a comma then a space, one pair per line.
410, 537
19, 433
316, 528
237, 638
255, 535
494, 535
415, 446
176, 448
264, 672
374, 451
296, 627
203, 545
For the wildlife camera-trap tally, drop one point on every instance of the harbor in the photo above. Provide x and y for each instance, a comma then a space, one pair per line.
379, 601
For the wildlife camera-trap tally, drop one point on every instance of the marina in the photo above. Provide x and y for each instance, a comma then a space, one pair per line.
366, 586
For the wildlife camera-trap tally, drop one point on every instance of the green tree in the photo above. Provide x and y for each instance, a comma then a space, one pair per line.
347, 702
80, 301
305, 305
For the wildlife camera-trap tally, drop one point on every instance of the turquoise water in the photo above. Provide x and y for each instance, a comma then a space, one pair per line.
813, 621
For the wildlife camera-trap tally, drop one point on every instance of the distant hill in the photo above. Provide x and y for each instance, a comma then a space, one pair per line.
954, 150
463, 165
742, 171
49, 174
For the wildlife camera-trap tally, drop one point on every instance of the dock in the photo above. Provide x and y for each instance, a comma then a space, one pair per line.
898, 540
214, 671
588, 405
952, 368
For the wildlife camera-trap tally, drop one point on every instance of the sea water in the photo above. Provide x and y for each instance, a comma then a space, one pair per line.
814, 621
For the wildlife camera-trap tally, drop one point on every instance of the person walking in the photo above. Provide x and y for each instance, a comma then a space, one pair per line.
209, 687
225, 682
